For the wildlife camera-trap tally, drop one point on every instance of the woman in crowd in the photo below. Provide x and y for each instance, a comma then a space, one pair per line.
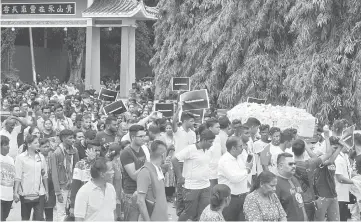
48, 131
262, 203
168, 135
73, 116
35, 131
31, 180
30, 131
220, 198
169, 178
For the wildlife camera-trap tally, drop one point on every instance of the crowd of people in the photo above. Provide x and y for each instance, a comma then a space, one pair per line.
63, 158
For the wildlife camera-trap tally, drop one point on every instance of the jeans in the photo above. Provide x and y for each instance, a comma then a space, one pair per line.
60, 207
344, 213
5, 209
131, 210
327, 206
179, 195
195, 201
37, 207
49, 214
234, 211
310, 210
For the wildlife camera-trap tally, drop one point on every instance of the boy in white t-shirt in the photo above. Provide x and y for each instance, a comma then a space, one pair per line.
7, 178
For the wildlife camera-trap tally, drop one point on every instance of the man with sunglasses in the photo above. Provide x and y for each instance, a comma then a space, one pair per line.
288, 188
195, 176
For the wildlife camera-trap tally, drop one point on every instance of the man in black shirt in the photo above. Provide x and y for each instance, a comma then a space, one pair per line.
132, 159
106, 137
288, 188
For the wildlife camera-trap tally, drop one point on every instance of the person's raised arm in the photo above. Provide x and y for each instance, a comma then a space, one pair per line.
329, 150
333, 157
309, 151
23, 122
176, 119
145, 120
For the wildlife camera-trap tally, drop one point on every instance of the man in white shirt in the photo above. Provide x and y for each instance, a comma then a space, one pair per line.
195, 176
61, 122
253, 125
215, 151
96, 200
260, 145
45, 115
7, 168
225, 132
343, 182
183, 137
280, 142
234, 174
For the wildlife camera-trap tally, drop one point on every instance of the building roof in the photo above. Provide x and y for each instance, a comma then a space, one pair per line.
120, 9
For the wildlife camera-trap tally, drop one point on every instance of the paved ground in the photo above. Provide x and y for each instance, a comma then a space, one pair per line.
15, 213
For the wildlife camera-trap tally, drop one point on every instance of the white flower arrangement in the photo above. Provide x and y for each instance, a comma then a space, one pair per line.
278, 116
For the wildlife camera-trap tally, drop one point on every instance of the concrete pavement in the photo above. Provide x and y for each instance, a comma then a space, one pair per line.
15, 213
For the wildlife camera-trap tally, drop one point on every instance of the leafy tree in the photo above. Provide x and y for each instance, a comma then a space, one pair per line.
8, 37
296, 52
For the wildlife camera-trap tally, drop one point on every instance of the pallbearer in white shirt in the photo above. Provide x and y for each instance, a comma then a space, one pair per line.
234, 174
215, 151
183, 137
195, 176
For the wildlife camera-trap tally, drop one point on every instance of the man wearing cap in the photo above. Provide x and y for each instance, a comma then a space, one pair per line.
195, 177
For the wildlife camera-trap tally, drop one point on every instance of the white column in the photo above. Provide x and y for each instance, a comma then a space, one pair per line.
127, 63
92, 63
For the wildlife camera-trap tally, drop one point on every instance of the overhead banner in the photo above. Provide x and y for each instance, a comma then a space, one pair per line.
181, 84
107, 95
255, 100
348, 136
117, 107
197, 99
167, 109
48, 8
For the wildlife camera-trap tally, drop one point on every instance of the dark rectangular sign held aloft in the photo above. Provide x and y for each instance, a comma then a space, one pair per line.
52, 8
181, 84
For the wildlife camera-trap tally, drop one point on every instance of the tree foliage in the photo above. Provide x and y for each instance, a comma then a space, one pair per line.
7, 44
297, 52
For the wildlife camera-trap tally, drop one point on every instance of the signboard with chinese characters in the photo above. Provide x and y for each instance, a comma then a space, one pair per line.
52, 8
